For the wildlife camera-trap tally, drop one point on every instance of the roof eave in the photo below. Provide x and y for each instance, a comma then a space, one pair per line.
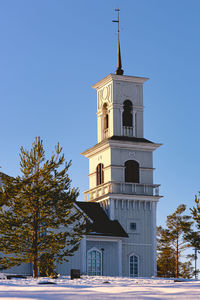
113, 77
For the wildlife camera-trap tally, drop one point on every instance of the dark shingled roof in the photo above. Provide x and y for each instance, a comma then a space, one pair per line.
123, 138
101, 225
131, 139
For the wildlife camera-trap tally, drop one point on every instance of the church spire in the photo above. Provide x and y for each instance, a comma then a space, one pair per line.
119, 70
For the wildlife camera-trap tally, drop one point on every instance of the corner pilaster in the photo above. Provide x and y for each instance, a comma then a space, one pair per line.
154, 243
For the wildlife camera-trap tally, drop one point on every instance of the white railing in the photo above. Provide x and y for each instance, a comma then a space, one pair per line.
128, 131
122, 188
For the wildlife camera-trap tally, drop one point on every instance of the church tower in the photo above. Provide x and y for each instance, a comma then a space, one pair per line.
121, 169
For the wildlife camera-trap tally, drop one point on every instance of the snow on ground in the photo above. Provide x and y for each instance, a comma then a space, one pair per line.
93, 288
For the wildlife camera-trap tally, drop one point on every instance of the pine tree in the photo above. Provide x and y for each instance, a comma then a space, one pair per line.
179, 225
166, 257
172, 242
38, 218
186, 269
194, 237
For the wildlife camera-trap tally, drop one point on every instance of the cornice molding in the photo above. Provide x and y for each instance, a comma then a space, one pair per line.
129, 145
96, 149
123, 78
131, 197
97, 237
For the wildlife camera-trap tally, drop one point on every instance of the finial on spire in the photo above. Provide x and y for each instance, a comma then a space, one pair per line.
119, 70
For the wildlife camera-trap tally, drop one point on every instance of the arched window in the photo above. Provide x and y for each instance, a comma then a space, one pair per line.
94, 262
131, 171
105, 116
127, 114
133, 265
100, 174
106, 122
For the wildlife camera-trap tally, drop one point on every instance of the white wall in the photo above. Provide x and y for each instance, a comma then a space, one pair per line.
114, 94
110, 256
140, 241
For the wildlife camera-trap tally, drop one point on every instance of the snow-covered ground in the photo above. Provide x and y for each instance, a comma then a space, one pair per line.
98, 288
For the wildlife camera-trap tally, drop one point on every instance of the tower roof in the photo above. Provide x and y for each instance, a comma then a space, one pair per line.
119, 70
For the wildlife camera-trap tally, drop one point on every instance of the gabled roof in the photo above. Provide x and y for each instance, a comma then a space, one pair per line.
3, 174
101, 225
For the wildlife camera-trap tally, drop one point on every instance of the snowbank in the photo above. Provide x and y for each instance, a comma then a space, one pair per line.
98, 288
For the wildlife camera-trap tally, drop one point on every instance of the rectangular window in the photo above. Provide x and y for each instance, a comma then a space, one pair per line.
133, 226
134, 266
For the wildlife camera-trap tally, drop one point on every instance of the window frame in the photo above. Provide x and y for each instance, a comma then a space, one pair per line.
101, 266
99, 174
105, 121
127, 110
125, 168
138, 263
135, 226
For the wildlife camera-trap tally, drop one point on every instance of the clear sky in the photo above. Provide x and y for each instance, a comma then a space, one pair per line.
53, 51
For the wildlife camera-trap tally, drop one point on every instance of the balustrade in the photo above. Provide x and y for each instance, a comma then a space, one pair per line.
122, 188
128, 131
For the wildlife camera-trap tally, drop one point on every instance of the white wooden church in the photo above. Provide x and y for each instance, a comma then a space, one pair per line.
122, 198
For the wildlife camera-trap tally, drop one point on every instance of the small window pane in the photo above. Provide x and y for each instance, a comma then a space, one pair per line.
133, 226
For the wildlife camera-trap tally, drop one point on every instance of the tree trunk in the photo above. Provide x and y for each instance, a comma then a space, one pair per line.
35, 268
35, 247
177, 259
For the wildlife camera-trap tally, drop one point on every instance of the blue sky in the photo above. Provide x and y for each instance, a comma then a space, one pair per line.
52, 52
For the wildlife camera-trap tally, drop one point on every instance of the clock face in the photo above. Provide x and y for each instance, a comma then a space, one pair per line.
105, 93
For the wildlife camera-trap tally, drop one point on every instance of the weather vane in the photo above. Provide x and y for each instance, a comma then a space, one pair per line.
119, 70
117, 21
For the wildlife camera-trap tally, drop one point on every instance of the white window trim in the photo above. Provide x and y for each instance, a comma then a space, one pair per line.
95, 249
102, 120
134, 122
138, 225
129, 230
134, 112
133, 254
